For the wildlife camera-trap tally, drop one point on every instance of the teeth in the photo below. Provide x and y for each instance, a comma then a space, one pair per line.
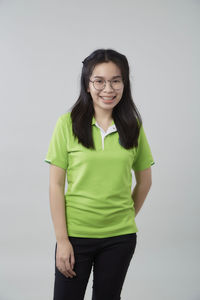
106, 98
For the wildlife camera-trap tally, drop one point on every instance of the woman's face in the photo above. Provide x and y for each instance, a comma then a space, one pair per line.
104, 99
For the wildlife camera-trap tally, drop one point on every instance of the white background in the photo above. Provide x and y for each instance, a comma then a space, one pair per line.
42, 45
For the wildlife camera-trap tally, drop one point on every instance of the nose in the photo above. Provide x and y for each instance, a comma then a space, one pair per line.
108, 87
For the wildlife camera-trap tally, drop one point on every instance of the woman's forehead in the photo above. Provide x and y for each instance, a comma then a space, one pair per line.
107, 69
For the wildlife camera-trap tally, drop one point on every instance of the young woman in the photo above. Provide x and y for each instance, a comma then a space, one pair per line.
97, 143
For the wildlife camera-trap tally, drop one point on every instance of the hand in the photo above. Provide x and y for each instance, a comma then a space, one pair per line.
65, 258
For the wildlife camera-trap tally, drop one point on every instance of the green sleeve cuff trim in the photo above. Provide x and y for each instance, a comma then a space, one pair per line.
56, 163
144, 166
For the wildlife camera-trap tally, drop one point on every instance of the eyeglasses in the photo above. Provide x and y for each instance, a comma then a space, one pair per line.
99, 84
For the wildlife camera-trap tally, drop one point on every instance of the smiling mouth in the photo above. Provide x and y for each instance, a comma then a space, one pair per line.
107, 99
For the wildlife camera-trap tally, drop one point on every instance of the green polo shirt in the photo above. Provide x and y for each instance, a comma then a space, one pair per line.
98, 199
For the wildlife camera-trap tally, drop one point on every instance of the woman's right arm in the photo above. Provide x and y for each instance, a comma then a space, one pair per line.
57, 202
65, 255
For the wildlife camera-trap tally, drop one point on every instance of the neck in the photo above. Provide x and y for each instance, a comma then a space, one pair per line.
103, 115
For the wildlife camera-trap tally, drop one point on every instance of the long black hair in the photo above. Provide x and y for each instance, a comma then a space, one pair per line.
126, 117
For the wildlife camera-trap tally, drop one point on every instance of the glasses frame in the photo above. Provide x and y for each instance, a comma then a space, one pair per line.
105, 85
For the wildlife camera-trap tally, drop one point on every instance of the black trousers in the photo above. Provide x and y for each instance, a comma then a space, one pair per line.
110, 258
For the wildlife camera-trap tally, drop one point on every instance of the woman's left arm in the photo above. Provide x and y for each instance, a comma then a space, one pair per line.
142, 187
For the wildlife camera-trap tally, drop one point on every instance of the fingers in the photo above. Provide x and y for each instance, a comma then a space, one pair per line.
63, 271
66, 266
69, 269
72, 259
65, 259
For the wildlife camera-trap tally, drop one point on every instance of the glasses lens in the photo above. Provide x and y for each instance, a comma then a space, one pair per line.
99, 84
116, 84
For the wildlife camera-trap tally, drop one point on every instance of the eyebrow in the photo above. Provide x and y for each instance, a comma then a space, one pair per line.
103, 77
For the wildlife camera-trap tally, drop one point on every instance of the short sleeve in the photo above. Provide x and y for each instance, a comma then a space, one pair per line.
57, 151
143, 158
